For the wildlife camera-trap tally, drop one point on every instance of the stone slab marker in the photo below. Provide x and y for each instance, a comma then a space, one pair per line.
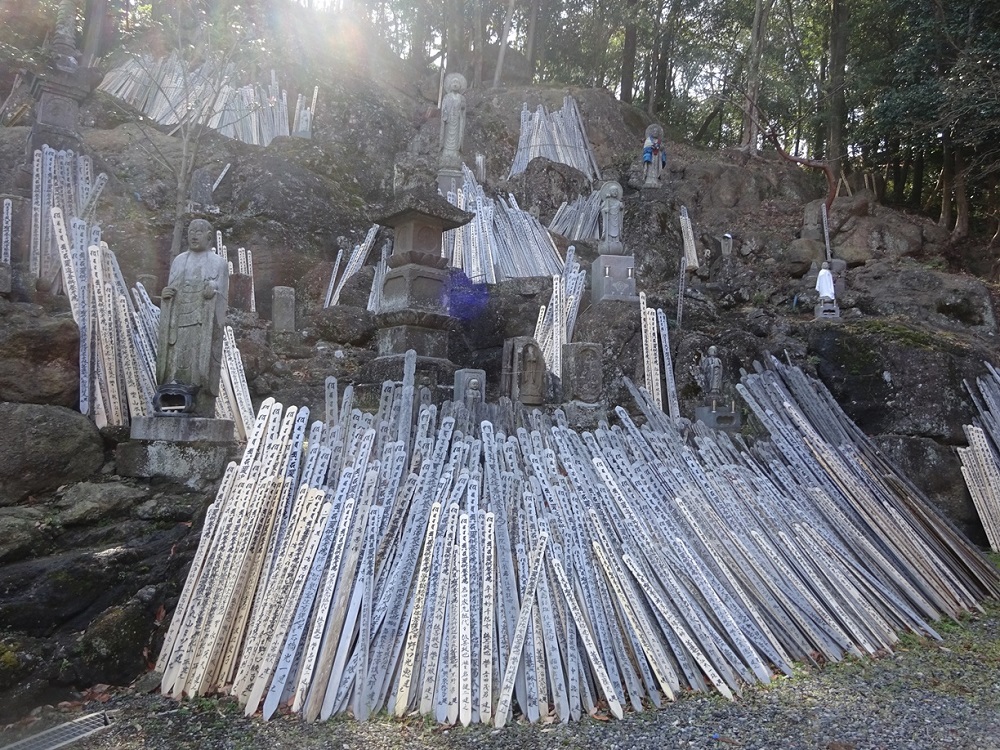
241, 292
5, 274
283, 309
582, 375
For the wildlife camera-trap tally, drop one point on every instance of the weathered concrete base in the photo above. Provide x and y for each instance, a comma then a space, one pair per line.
198, 466
181, 429
431, 341
581, 416
5, 278
192, 451
435, 374
720, 418
613, 277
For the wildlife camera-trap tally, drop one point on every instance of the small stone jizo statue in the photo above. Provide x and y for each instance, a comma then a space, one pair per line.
192, 320
473, 393
452, 122
824, 283
654, 158
710, 371
611, 220
531, 376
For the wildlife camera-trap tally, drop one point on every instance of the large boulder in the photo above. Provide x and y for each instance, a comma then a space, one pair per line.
20, 531
894, 378
112, 646
89, 502
861, 230
39, 355
922, 295
795, 258
885, 235
340, 324
547, 184
935, 468
45, 447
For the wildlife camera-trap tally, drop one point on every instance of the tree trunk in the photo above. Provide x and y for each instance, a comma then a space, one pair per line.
961, 230
94, 27
916, 194
529, 47
660, 99
836, 100
628, 52
716, 112
599, 65
661, 103
507, 21
648, 81
947, 172
758, 38
993, 208
900, 172
652, 65
418, 32
891, 161
818, 146
480, 46
458, 53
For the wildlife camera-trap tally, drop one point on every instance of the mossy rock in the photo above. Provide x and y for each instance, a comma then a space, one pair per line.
111, 649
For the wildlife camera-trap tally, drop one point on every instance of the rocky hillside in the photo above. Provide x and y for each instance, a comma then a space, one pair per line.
91, 563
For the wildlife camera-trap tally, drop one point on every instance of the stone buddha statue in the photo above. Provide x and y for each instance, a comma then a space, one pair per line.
192, 320
452, 122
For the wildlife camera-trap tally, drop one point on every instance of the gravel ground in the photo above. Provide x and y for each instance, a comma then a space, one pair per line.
925, 695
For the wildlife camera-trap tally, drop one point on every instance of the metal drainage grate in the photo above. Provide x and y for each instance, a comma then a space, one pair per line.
64, 734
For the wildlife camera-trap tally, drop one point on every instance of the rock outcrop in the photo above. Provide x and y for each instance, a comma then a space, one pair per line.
45, 447
39, 356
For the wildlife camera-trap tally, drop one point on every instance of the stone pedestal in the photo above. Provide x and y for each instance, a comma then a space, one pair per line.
58, 93
414, 313
582, 372
5, 278
448, 180
192, 451
827, 309
720, 417
613, 277
584, 417
283, 309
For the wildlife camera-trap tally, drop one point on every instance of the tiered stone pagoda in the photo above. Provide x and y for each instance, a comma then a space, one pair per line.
414, 313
